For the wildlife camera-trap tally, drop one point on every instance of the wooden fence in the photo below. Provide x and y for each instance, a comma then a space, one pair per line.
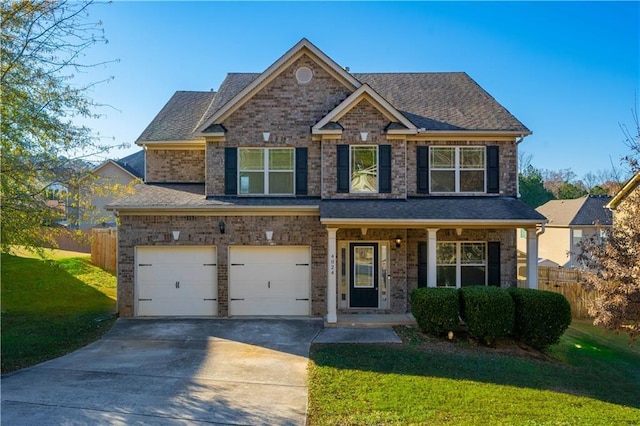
104, 251
568, 283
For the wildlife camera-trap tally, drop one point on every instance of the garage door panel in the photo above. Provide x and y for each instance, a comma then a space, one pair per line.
269, 280
176, 280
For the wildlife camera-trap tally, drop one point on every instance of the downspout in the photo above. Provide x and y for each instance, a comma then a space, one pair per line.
542, 229
518, 142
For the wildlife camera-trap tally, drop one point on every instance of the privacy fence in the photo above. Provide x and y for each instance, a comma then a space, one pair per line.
104, 251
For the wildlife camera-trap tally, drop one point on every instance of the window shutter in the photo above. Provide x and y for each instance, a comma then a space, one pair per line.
493, 170
301, 171
231, 171
343, 168
423, 261
422, 153
384, 168
493, 263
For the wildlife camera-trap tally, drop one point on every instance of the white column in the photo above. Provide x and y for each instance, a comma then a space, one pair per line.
532, 258
332, 266
431, 258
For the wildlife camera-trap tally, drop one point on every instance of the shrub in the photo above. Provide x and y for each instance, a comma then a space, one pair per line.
488, 312
436, 310
540, 316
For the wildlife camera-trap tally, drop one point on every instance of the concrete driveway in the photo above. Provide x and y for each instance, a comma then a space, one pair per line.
162, 371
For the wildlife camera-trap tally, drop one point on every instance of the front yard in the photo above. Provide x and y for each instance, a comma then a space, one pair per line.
591, 377
52, 307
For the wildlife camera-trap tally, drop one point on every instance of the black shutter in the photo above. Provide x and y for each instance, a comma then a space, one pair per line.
343, 168
493, 170
423, 261
493, 263
231, 171
422, 154
301, 171
384, 168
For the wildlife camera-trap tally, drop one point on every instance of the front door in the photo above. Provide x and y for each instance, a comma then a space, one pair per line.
363, 290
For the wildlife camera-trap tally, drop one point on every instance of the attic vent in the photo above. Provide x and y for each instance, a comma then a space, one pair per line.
304, 75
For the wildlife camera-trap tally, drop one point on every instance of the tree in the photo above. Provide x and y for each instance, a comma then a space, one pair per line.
532, 190
614, 263
569, 191
43, 44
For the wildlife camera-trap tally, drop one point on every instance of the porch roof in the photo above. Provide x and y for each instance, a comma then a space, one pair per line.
444, 211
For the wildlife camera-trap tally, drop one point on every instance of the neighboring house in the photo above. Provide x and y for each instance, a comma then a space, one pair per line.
108, 176
631, 187
570, 221
310, 190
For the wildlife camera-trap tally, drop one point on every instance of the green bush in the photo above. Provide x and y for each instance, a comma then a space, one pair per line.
540, 316
436, 310
488, 312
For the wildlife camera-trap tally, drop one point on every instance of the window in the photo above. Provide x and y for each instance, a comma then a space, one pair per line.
364, 169
577, 237
266, 171
457, 169
461, 264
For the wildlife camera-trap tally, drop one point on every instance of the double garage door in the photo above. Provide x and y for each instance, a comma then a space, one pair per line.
182, 281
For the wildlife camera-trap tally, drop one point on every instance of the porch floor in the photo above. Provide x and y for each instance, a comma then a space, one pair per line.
372, 320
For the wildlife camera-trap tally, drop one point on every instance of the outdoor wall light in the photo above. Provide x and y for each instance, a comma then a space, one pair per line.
265, 136
398, 242
363, 136
269, 235
221, 226
176, 235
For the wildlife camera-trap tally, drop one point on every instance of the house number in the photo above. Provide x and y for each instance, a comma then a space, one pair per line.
332, 263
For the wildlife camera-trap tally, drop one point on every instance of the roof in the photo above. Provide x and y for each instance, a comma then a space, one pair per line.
481, 210
179, 117
633, 183
585, 211
134, 163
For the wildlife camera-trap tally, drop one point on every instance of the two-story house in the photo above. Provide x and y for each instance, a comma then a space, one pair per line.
310, 190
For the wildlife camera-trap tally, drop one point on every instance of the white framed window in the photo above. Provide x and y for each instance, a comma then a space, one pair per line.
364, 168
577, 237
461, 263
457, 169
266, 171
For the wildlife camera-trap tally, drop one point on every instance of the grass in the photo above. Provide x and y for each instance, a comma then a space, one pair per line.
52, 307
591, 377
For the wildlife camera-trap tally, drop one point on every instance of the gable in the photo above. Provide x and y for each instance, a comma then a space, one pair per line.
302, 48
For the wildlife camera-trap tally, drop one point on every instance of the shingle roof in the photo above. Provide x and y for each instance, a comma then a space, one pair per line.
133, 163
584, 211
432, 208
179, 117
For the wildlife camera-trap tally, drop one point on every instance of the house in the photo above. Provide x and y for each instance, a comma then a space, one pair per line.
103, 188
310, 190
619, 201
570, 221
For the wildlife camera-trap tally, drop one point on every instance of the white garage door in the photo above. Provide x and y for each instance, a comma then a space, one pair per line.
269, 280
176, 281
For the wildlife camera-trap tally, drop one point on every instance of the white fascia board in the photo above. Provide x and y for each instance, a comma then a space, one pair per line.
466, 133
185, 144
449, 223
272, 70
315, 131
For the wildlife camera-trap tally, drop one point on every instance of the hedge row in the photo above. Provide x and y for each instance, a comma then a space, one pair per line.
535, 317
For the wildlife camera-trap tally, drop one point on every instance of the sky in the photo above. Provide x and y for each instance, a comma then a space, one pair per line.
570, 71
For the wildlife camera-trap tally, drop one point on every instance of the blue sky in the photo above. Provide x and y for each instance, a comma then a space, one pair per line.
569, 71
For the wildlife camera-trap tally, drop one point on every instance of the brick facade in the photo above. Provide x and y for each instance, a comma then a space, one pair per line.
175, 165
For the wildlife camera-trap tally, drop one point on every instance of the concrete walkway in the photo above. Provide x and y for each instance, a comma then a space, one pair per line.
180, 371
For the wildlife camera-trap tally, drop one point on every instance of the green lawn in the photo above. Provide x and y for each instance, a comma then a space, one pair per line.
591, 377
52, 307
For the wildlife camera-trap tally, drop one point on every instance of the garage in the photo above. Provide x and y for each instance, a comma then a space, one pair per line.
176, 281
269, 280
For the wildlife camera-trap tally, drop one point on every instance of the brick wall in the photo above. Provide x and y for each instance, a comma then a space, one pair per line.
167, 165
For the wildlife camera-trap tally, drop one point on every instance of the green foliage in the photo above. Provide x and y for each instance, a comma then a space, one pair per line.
436, 310
569, 191
540, 316
488, 312
532, 190
41, 46
52, 307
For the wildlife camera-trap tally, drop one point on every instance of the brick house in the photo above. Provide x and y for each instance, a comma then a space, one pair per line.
310, 190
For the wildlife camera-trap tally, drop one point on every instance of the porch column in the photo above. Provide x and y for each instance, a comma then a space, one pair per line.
332, 316
432, 275
532, 258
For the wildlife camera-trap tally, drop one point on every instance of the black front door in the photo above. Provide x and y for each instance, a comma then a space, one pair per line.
363, 290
